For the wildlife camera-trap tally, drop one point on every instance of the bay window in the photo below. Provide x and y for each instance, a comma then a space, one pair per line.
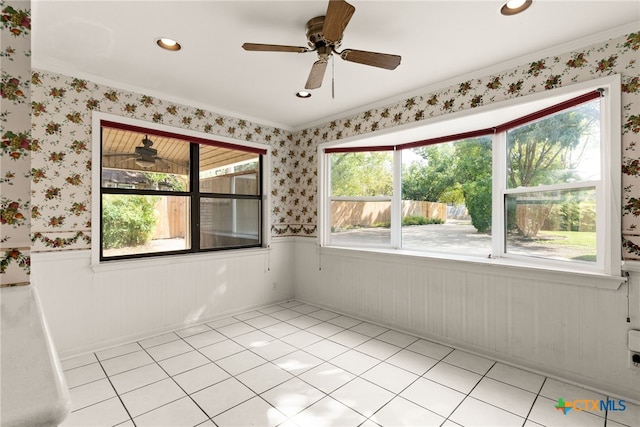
536, 183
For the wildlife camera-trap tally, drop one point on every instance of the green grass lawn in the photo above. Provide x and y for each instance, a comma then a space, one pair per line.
583, 242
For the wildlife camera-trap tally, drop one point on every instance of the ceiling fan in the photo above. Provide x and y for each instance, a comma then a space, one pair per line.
145, 156
324, 36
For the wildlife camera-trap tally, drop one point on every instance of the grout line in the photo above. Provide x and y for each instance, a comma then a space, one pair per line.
469, 394
518, 387
80, 366
504, 409
88, 382
94, 403
395, 395
259, 395
119, 355
297, 375
535, 399
117, 394
158, 345
179, 386
141, 348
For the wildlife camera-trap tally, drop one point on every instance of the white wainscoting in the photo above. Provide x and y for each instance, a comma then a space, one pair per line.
91, 309
577, 333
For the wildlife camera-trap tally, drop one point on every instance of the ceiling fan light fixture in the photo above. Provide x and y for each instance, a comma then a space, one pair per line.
145, 163
168, 44
513, 7
303, 94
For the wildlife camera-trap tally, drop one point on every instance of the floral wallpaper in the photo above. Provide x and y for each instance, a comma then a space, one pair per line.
62, 107
61, 120
15, 179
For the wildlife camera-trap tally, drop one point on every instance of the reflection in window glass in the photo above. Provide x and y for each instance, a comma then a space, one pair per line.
553, 224
556, 220
229, 222
149, 202
134, 180
446, 197
561, 148
227, 171
133, 160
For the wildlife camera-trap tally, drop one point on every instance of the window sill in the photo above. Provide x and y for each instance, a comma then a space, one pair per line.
495, 266
631, 266
163, 260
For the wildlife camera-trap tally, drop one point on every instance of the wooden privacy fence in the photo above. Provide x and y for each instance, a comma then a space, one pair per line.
424, 209
171, 218
355, 213
171, 214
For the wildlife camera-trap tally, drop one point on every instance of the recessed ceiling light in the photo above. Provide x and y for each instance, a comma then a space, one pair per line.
168, 44
303, 94
513, 7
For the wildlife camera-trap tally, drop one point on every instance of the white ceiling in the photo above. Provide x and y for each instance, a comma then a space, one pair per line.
113, 42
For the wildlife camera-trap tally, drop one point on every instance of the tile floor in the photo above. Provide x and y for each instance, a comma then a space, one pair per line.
293, 364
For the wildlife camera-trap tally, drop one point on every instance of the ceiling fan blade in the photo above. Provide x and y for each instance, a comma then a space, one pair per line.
375, 59
161, 164
117, 154
126, 160
338, 15
166, 162
257, 47
316, 75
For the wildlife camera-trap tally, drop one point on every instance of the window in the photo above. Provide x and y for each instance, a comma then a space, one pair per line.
535, 183
553, 171
361, 190
165, 193
446, 197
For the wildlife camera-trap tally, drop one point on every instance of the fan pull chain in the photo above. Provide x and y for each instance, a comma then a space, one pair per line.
333, 89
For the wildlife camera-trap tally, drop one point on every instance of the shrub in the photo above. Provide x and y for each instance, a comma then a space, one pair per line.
420, 220
478, 201
382, 224
128, 220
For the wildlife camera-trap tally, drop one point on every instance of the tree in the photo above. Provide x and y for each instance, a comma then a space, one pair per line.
433, 179
362, 174
128, 220
544, 152
547, 151
474, 173
174, 182
458, 172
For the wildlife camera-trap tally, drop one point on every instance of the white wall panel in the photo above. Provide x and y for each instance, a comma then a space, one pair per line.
569, 331
88, 310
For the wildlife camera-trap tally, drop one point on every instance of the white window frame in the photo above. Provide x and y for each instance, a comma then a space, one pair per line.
391, 199
608, 189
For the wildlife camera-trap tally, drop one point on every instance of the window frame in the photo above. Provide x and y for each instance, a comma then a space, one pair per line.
99, 119
603, 197
385, 198
471, 121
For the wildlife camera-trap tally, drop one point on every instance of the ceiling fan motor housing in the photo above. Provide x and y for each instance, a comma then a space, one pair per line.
146, 151
324, 36
315, 37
